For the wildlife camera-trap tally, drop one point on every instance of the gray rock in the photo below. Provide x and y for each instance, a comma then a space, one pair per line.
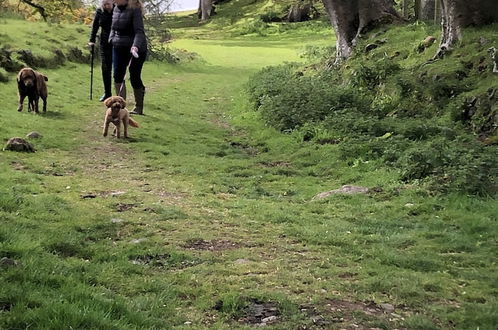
269, 319
370, 47
139, 240
117, 220
483, 41
347, 189
19, 144
7, 262
34, 135
387, 307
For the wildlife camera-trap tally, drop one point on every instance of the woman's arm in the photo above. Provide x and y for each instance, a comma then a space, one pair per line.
95, 25
138, 26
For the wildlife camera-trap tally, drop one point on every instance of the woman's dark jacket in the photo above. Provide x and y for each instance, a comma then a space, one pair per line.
103, 19
127, 28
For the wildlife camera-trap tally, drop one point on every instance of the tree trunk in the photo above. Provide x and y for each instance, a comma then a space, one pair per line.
299, 12
405, 8
350, 18
205, 9
457, 14
417, 6
427, 10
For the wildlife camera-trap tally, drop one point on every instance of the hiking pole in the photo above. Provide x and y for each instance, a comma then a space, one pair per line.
91, 71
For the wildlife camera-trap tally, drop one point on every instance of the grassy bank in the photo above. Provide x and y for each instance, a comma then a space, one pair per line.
205, 218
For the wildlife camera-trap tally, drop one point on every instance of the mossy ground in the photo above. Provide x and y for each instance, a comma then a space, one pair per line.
205, 212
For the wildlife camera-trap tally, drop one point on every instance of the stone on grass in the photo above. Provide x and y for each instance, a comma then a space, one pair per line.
19, 144
347, 190
387, 307
34, 135
7, 262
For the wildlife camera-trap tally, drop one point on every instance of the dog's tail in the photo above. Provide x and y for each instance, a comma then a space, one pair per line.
133, 122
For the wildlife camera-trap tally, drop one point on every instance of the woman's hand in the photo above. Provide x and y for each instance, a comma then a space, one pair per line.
134, 51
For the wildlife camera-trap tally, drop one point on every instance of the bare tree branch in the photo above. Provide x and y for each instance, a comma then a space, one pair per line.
40, 9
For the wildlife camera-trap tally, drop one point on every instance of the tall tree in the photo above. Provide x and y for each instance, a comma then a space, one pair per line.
205, 9
350, 18
458, 14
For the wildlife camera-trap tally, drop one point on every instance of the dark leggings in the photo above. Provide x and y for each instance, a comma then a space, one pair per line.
106, 58
121, 58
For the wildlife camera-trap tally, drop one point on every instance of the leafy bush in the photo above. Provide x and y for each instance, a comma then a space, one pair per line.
464, 166
270, 81
287, 99
370, 76
271, 16
256, 26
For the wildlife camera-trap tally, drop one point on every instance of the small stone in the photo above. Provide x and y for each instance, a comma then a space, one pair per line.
269, 319
19, 145
409, 205
117, 220
187, 323
370, 47
7, 262
346, 189
87, 196
241, 261
138, 241
387, 307
483, 41
34, 135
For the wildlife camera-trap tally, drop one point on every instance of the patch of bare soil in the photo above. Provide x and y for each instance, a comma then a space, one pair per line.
276, 164
161, 261
122, 207
18, 166
260, 313
342, 314
213, 245
249, 150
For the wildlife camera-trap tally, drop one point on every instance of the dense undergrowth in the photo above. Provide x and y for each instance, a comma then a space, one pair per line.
435, 121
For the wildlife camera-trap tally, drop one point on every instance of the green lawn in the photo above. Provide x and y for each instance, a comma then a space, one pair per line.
205, 218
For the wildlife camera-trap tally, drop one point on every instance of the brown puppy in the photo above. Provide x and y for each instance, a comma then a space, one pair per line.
117, 113
32, 84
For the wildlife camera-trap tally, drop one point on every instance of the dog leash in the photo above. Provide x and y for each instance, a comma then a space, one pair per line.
124, 78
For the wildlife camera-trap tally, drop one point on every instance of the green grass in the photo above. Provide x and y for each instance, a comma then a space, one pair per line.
203, 167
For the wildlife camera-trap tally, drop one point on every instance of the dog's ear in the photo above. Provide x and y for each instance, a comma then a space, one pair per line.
108, 101
123, 102
19, 76
44, 77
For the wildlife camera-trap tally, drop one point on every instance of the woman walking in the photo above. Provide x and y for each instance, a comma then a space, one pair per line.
103, 20
129, 48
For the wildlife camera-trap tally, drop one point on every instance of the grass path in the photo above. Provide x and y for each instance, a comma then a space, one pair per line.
204, 219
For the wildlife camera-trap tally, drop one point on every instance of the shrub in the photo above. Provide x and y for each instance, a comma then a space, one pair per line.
288, 99
271, 16
370, 76
463, 165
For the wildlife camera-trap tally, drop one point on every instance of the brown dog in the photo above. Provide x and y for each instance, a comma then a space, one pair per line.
32, 84
117, 113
